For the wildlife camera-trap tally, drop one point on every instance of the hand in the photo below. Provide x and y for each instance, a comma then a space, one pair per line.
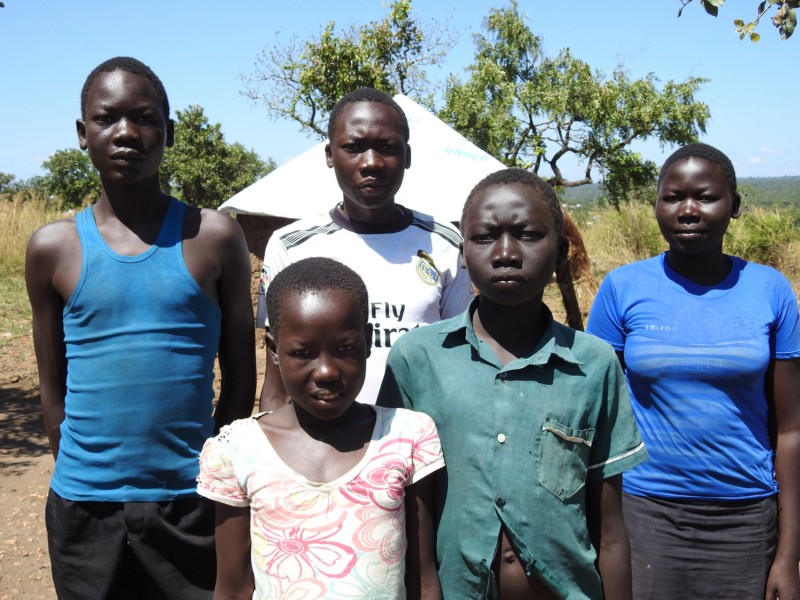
783, 582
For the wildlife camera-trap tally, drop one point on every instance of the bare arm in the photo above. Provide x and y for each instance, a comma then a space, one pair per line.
609, 536
234, 573
422, 579
47, 306
783, 396
237, 361
273, 394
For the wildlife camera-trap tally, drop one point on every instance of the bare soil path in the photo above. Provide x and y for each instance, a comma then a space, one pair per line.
26, 466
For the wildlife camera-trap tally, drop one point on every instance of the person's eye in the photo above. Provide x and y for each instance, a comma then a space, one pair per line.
482, 238
531, 235
102, 119
299, 353
149, 118
708, 198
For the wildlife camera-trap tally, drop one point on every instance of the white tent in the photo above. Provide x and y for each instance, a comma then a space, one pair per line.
444, 168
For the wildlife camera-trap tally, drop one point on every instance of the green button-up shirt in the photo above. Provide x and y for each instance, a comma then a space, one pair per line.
520, 442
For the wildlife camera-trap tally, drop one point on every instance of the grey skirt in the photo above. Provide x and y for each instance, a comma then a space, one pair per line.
686, 550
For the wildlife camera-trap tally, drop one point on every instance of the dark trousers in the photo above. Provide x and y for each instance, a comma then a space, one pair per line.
131, 550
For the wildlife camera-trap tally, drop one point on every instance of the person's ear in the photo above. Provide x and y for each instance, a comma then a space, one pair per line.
170, 133
368, 329
461, 255
80, 127
328, 156
272, 347
408, 156
737, 206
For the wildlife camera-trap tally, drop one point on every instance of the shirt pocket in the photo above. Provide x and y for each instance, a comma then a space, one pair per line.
563, 458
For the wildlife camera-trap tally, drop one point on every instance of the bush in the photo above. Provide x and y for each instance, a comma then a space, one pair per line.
766, 236
617, 237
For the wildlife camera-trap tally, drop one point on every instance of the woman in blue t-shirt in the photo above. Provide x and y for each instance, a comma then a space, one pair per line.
710, 346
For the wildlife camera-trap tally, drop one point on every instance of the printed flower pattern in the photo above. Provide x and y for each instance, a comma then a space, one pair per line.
339, 540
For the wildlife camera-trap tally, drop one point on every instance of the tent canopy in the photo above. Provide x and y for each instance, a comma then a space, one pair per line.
444, 168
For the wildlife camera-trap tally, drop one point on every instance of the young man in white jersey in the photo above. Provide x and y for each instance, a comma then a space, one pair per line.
409, 262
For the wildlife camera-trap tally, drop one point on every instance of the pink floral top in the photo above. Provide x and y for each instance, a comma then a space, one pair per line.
339, 540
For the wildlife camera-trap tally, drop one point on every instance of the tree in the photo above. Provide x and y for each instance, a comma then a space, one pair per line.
784, 19
71, 178
303, 80
532, 111
5, 181
201, 168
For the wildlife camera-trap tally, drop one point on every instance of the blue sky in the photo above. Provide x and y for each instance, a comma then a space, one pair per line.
200, 49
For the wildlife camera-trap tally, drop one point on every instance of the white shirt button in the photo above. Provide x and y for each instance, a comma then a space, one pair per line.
501, 437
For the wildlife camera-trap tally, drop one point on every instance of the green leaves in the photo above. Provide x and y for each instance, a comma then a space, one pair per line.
201, 168
537, 112
303, 80
712, 6
71, 178
785, 18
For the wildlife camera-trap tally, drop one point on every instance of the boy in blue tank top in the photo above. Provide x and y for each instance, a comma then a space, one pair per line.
132, 300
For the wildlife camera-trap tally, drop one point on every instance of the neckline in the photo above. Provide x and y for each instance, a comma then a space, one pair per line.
159, 241
698, 289
340, 481
404, 219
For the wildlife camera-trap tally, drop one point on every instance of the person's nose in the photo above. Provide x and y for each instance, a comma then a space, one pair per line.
325, 370
506, 251
371, 160
688, 210
125, 129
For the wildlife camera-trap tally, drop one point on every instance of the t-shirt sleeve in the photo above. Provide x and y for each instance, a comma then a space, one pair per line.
217, 479
275, 260
456, 294
787, 322
605, 318
426, 451
617, 445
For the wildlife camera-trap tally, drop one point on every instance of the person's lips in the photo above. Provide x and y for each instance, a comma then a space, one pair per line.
126, 156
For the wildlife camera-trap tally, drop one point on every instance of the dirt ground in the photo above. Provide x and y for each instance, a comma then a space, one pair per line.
26, 466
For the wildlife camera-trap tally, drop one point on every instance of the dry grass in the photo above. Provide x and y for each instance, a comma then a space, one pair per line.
20, 216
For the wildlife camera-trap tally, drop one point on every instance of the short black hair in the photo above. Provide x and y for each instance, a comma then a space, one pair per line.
315, 274
367, 95
706, 152
130, 65
522, 177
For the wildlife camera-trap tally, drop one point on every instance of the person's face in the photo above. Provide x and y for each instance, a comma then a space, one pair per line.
511, 245
369, 154
694, 206
125, 130
321, 350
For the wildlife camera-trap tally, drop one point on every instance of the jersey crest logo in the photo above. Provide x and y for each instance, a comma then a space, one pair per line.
426, 270
263, 281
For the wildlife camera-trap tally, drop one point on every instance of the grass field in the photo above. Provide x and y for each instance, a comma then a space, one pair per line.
765, 235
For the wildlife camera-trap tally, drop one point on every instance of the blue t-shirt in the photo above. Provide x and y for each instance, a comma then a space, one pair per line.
696, 358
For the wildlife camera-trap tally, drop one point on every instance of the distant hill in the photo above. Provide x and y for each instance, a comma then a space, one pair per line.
763, 191
771, 191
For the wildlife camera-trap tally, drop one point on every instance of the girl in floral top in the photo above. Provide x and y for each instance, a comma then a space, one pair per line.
324, 497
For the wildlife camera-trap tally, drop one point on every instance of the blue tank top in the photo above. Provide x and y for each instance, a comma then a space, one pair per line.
141, 337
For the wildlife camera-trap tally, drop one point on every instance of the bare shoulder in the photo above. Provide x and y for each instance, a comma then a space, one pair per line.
53, 241
217, 226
